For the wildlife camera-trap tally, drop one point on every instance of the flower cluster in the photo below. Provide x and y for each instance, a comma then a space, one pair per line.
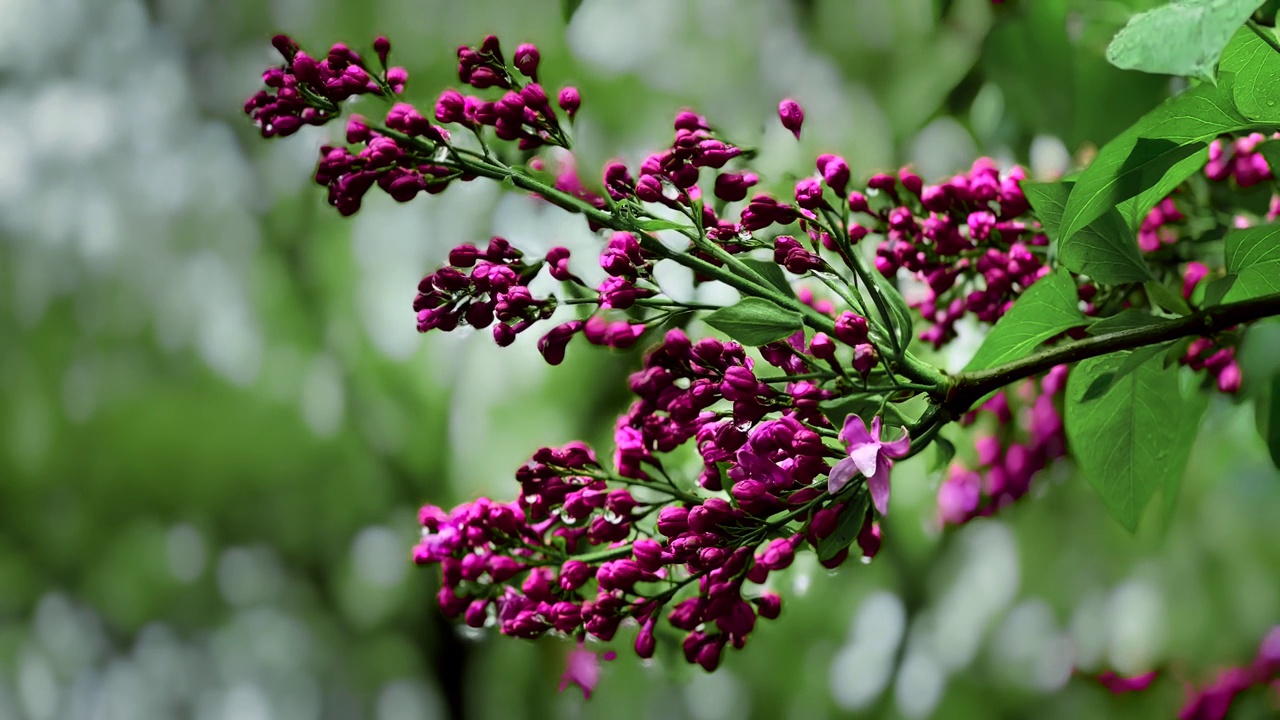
1009, 459
307, 91
1238, 160
786, 461
962, 239
578, 553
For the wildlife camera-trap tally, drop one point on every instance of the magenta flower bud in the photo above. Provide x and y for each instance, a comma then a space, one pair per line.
526, 60
503, 568
1229, 378
858, 202
569, 101
477, 613
708, 654
851, 329
396, 78
732, 187
687, 614
791, 115
649, 188
822, 347
553, 344
382, 48
739, 384
285, 46
739, 621
574, 574
619, 575
673, 521
769, 605
809, 194
779, 554
869, 538
648, 554
450, 604
1195, 272
835, 172
645, 642
450, 107
357, 131
882, 182
911, 181
565, 617
865, 358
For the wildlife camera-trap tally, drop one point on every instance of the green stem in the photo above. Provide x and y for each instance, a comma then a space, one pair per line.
1262, 32
969, 387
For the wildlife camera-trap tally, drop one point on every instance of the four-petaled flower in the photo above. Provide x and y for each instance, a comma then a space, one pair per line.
869, 456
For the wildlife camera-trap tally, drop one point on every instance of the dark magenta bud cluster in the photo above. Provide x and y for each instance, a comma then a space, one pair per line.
961, 238
523, 113
1238, 160
588, 546
482, 288
306, 91
1028, 436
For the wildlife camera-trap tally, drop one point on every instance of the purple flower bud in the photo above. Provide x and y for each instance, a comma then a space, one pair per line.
553, 344
565, 617
835, 172
732, 187
673, 521
450, 604
687, 614
357, 130
649, 188
791, 115
739, 384
574, 574
869, 538
648, 554
450, 107
851, 329
769, 605
809, 193
382, 48
858, 203
477, 613
822, 347
645, 642
526, 60
779, 554
570, 101
865, 357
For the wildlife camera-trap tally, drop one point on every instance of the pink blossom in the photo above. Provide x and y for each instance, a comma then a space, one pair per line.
869, 455
582, 668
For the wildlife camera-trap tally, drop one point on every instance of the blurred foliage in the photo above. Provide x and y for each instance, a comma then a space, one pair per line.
217, 422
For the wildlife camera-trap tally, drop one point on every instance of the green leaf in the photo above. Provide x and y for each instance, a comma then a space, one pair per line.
1185, 37
898, 309
848, 525
755, 321
773, 273
1134, 439
1252, 246
1135, 359
1167, 299
1135, 209
568, 8
1049, 307
1153, 148
837, 409
1218, 289
945, 453
1256, 67
1254, 255
656, 224
1129, 319
1105, 250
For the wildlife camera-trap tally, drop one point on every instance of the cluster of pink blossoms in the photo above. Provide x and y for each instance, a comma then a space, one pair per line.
590, 545
1028, 437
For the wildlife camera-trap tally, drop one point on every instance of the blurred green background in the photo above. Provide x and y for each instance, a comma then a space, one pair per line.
217, 420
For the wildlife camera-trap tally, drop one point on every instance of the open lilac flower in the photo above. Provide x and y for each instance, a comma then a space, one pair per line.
582, 668
869, 456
